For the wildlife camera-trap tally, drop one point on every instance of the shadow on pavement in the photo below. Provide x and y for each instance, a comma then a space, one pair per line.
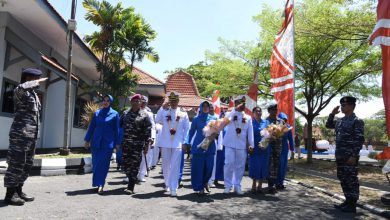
337, 214
156, 194
82, 192
2, 204
116, 183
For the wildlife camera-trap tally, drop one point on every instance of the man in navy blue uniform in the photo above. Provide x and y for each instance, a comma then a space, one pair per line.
22, 136
349, 140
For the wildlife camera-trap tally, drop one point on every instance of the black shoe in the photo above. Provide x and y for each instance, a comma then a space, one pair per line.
349, 207
22, 195
280, 187
339, 206
207, 188
128, 191
12, 198
272, 190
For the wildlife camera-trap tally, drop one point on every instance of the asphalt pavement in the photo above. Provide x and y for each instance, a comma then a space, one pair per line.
72, 197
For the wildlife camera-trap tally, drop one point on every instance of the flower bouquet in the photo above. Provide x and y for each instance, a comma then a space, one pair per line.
211, 131
272, 132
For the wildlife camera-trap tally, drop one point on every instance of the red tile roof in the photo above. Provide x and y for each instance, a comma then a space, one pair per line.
54, 64
190, 101
146, 78
182, 83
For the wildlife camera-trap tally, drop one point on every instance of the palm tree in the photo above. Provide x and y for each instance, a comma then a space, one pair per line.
135, 37
109, 19
123, 36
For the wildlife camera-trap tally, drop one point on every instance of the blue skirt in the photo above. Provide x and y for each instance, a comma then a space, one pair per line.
259, 164
219, 164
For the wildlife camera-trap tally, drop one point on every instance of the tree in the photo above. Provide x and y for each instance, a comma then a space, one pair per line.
122, 40
332, 56
375, 128
331, 53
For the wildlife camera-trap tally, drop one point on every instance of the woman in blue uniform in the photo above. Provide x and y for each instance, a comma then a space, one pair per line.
219, 164
259, 158
102, 136
287, 144
202, 161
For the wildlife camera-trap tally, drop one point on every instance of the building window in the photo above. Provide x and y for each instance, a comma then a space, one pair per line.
78, 112
7, 97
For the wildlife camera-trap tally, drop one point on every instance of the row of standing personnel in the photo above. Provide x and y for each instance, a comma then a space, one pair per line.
103, 135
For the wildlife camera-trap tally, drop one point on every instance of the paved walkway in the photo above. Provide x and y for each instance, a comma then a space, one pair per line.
71, 197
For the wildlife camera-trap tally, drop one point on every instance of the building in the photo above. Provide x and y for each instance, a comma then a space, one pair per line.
33, 34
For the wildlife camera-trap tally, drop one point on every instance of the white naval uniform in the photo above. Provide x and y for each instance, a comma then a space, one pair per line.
236, 149
171, 145
156, 149
143, 169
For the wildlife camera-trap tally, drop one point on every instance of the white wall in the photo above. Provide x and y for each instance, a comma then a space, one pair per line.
78, 137
54, 115
5, 124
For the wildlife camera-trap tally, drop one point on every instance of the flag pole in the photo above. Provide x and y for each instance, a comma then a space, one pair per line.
294, 125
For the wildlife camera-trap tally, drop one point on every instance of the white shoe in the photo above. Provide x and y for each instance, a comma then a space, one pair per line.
173, 194
142, 180
239, 191
226, 191
167, 189
126, 180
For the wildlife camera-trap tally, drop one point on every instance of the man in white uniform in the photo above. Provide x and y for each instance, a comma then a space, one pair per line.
175, 125
147, 159
239, 135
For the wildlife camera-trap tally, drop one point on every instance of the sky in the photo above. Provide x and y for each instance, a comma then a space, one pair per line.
187, 28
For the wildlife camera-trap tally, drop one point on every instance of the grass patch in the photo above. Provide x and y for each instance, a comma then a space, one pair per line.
368, 174
369, 196
57, 155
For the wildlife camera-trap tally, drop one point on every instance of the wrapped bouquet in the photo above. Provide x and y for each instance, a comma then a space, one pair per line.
272, 132
211, 131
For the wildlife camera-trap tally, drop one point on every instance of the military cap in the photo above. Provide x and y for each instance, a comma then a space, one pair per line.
348, 99
272, 105
172, 96
136, 97
282, 115
32, 72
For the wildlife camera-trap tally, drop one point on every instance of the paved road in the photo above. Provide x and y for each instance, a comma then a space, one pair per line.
71, 197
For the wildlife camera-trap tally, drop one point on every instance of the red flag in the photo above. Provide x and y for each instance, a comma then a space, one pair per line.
282, 65
215, 100
251, 99
381, 36
251, 96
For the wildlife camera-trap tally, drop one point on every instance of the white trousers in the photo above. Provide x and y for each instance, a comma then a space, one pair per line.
142, 168
171, 158
234, 167
212, 178
156, 151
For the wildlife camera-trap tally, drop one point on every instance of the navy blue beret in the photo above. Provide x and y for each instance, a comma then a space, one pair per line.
32, 71
348, 99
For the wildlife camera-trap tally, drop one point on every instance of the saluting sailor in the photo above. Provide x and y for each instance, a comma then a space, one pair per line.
239, 135
175, 125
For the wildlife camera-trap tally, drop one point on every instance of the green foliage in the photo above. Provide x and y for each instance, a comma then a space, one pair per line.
122, 40
375, 128
331, 53
332, 56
